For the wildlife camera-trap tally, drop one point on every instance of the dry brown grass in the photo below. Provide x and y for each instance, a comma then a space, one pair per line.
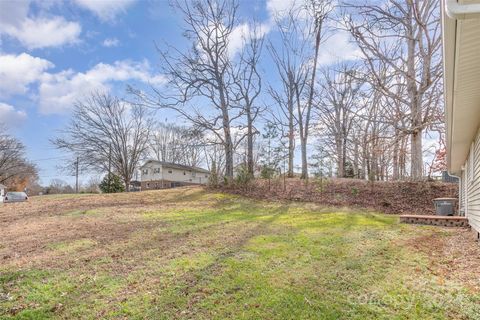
454, 254
29, 228
394, 197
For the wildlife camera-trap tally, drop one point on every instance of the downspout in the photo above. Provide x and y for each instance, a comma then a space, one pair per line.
460, 181
462, 11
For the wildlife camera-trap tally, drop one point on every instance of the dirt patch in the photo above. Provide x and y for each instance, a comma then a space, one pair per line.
453, 254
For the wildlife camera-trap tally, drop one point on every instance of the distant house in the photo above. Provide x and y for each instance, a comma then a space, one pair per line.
461, 45
162, 175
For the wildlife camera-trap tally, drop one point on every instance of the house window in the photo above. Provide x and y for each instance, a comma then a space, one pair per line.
206, 176
148, 185
194, 174
190, 179
145, 171
170, 171
156, 170
184, 173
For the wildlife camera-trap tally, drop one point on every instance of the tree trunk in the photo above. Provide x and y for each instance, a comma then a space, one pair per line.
304, 159
228, 153
417, 158
395, 160
291, 132
304, 138
344, 154
415, 104
356, 170
227, 143
340, 160
249, 142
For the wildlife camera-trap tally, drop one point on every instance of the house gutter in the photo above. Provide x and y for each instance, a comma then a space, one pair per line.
462, 11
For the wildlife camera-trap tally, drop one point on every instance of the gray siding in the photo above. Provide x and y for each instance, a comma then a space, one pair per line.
472, 184
462, 194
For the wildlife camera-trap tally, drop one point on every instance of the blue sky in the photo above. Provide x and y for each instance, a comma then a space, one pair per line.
54, 52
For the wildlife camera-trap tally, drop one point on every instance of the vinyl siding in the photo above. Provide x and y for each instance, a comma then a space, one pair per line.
172, 174
187, 176
148, 172
462, 194
472, 184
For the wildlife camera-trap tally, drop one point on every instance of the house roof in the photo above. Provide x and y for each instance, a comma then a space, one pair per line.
176, 166
461, 46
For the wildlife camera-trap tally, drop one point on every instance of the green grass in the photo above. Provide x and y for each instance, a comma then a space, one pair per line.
72, 246
213, 256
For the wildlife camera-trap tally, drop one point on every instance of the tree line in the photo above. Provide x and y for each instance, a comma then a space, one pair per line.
16, 171
366, 118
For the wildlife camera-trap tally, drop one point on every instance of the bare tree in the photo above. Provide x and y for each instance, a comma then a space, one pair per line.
58, 186
339, 105
404, 35
249, 86
106, 132
178, 144
319, 11
288, 58
165, 141
15, 170
296, 62
215, 158
192, 147
201, 80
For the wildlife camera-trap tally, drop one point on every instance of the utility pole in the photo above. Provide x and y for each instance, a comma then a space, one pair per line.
76, 176
109, 166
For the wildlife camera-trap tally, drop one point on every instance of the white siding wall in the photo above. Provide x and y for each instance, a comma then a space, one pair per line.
151, 176
172, 174
179, 175
472, 184
462, 194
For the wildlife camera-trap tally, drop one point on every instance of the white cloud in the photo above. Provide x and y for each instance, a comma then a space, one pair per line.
17, 72
106, 10
338, 47
13, 12
35, 32
111, 42
59, 91
10, 116
41, 32
237, 38
241, 33
279, 8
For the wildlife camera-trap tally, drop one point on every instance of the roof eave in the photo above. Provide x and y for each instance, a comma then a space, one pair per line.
449, 40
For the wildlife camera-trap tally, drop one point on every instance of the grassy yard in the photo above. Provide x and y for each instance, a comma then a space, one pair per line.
193, 254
